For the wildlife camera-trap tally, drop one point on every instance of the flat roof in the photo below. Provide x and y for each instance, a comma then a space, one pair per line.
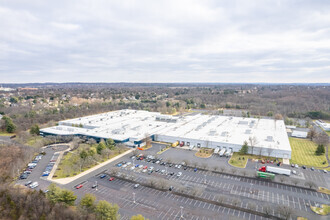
136, 124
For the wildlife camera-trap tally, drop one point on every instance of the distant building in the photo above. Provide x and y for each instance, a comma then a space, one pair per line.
211, 131
27, 89
324, 125
4, 89
299, 134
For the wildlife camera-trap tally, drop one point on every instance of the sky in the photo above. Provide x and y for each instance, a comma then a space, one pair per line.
165, 41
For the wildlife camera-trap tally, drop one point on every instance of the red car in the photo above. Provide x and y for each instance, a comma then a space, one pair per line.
145, 167
111, 178
79, 186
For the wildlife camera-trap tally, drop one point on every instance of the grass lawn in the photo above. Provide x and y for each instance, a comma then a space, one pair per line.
303, 153
32, 140
237, 160
69, 165
321, 211
6, 134
234, 160
204, 153
324, 190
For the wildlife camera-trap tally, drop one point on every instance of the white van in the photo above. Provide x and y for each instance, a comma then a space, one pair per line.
34, 185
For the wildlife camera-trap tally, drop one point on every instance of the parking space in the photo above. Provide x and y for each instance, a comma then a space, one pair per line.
157, 204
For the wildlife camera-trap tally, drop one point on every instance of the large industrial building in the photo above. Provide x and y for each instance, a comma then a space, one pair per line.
132, 127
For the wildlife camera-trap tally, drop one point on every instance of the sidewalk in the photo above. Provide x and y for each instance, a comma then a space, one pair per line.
67, 180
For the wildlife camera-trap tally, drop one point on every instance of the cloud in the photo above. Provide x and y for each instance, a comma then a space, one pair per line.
164, 41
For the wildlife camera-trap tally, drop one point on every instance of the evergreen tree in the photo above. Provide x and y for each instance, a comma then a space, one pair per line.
245, 148
35, 129
320, 149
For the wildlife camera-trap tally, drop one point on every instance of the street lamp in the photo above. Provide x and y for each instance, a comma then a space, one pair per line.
133, 197
166, 170
96, 185
181, 207
205, 179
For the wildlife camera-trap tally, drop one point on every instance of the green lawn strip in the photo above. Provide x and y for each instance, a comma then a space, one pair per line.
6, 134
237, 160
303, 153
324, 210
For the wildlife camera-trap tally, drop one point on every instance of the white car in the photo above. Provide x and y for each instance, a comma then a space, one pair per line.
324, 171
296, 166
132, 168
128, 163
125, 165
163, 171
179, 174
151, 168
179, 166
141, 166
34, 185
145, 170
294, 172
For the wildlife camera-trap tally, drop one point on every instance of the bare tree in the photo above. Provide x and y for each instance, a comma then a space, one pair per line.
147, 140
322, 139
268, 209
253, 141
285, 211
312, 133
106, 152
236, 201
221, 198
114, 171
251, 206
310, 184
295, 181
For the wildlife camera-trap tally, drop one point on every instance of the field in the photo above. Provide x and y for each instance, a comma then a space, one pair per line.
303, 153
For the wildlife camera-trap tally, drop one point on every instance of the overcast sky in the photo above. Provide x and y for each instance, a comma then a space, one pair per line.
164, 41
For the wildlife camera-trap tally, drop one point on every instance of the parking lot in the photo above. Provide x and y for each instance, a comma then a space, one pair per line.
156, 204
244, 188
37, 172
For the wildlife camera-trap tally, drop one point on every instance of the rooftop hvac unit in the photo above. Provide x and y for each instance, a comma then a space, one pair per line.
247, 131
224, 134
270, 138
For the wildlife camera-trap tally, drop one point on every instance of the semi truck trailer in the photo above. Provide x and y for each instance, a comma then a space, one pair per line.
275, 170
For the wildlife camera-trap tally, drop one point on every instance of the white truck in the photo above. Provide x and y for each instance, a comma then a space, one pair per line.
222, 152
275, 170
216, 150
228, 153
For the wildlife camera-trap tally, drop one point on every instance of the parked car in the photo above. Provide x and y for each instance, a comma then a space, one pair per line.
128, 163
179, 166
132, 168
144, 170
171, 173
163, 171
170, 165
195, 170
27, 172
171, 188
312, 169
119, 165
141, 166
125, 165
185, 168
102, 176
45, 173
145, 167
325, 171
79, 186
292, 165
34, 185
28, 183
294, 172
136, 185
296, 166
304, 167
111, 179
23, 176
179, 174
157, 170
94, 185
137, 165
157, 162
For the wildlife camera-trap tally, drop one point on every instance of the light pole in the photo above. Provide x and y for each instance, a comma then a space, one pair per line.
166, 170
205, 179
133, 161
181, 207
96, 185
133, 197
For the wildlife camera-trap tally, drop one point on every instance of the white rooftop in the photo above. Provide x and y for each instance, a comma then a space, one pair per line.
134, 125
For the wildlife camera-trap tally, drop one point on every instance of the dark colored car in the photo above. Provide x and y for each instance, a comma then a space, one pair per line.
171, 188
23, 176
103, 176
304, 167
195, 170
184, 168
94, 186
